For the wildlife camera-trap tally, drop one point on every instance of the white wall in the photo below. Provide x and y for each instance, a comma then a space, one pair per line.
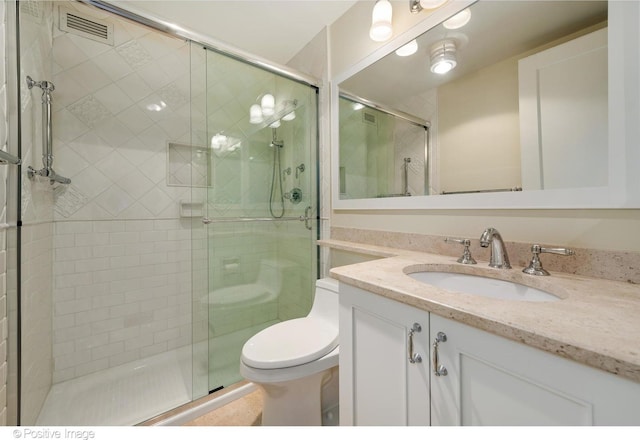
599, 229
478, 127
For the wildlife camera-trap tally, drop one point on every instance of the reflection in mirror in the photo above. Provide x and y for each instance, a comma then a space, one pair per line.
384, 154
525, 105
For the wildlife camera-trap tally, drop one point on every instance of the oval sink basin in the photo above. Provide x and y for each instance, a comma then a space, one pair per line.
478, 285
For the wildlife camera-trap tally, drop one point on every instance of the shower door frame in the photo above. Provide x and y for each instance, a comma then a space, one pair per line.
309, 222
13, 202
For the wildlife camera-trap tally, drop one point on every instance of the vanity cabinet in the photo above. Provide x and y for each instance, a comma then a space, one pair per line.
379, 384
498, 382
489, 380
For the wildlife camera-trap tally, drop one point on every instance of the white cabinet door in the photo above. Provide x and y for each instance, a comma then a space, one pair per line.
379, 385
498, 382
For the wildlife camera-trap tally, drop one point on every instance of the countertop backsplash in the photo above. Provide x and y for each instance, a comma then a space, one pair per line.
610, 265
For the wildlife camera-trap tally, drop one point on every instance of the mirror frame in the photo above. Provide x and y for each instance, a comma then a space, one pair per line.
623, 190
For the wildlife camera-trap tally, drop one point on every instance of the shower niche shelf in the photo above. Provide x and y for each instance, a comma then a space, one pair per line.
187, 165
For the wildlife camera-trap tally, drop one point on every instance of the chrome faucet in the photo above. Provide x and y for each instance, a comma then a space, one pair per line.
499, 257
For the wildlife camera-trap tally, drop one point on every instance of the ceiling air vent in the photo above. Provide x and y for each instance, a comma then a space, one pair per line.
75, 23
369, 118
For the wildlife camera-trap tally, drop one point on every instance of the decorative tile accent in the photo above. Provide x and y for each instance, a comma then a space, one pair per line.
173, 96
134, 54
68, 199
89, 110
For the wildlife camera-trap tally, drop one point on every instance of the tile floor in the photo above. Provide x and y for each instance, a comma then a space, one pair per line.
246, 411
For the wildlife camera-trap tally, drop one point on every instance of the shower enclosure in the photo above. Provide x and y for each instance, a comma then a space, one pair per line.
252, 127
388, 151
186, 224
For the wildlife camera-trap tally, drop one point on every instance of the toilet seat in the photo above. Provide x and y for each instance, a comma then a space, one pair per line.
290, 343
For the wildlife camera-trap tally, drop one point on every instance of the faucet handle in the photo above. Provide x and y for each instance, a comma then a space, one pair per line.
466, 257
535, 265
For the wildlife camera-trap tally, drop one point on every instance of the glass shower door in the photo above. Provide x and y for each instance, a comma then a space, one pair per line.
258, 133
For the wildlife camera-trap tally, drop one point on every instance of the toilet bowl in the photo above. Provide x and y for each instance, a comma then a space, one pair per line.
241, 306
295, 363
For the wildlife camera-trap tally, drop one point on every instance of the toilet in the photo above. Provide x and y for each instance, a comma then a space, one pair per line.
237, 307
295, 363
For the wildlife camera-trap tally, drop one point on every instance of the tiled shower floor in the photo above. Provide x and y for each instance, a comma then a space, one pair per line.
132, 393
121, 396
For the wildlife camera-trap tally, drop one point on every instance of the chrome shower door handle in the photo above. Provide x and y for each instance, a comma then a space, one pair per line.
438, 370
306, 217
414, 358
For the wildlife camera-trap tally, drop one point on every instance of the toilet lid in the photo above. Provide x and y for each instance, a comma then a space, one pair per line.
290, 343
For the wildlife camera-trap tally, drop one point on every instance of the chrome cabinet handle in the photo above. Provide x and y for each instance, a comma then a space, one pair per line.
438, 370
206, 220
414, 358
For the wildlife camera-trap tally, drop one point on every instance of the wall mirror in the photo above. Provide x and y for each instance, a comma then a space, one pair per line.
525, 117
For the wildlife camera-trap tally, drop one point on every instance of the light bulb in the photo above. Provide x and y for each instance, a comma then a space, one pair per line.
289, 116
275, 124
443, 57
458, 20
255, 114
408, 49
381, 29
443, 66
268, 104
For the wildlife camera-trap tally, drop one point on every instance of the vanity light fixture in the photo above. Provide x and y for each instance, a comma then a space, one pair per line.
268, 104
255, 114
443, 57
381, 29
416, 6
458, 20
408, 49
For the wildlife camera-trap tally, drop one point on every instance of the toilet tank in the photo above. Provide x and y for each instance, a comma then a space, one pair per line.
325, 301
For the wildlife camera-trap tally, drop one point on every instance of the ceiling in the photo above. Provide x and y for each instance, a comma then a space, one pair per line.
273, 30
498, 30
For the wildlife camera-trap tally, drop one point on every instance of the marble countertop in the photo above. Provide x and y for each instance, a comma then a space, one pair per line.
596, 322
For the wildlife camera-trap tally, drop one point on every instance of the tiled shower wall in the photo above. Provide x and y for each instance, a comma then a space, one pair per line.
122, 288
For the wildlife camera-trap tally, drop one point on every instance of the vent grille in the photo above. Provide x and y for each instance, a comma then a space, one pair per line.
369, 118
75, 23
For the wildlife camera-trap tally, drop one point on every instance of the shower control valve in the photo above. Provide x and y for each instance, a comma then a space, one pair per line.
295, 195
